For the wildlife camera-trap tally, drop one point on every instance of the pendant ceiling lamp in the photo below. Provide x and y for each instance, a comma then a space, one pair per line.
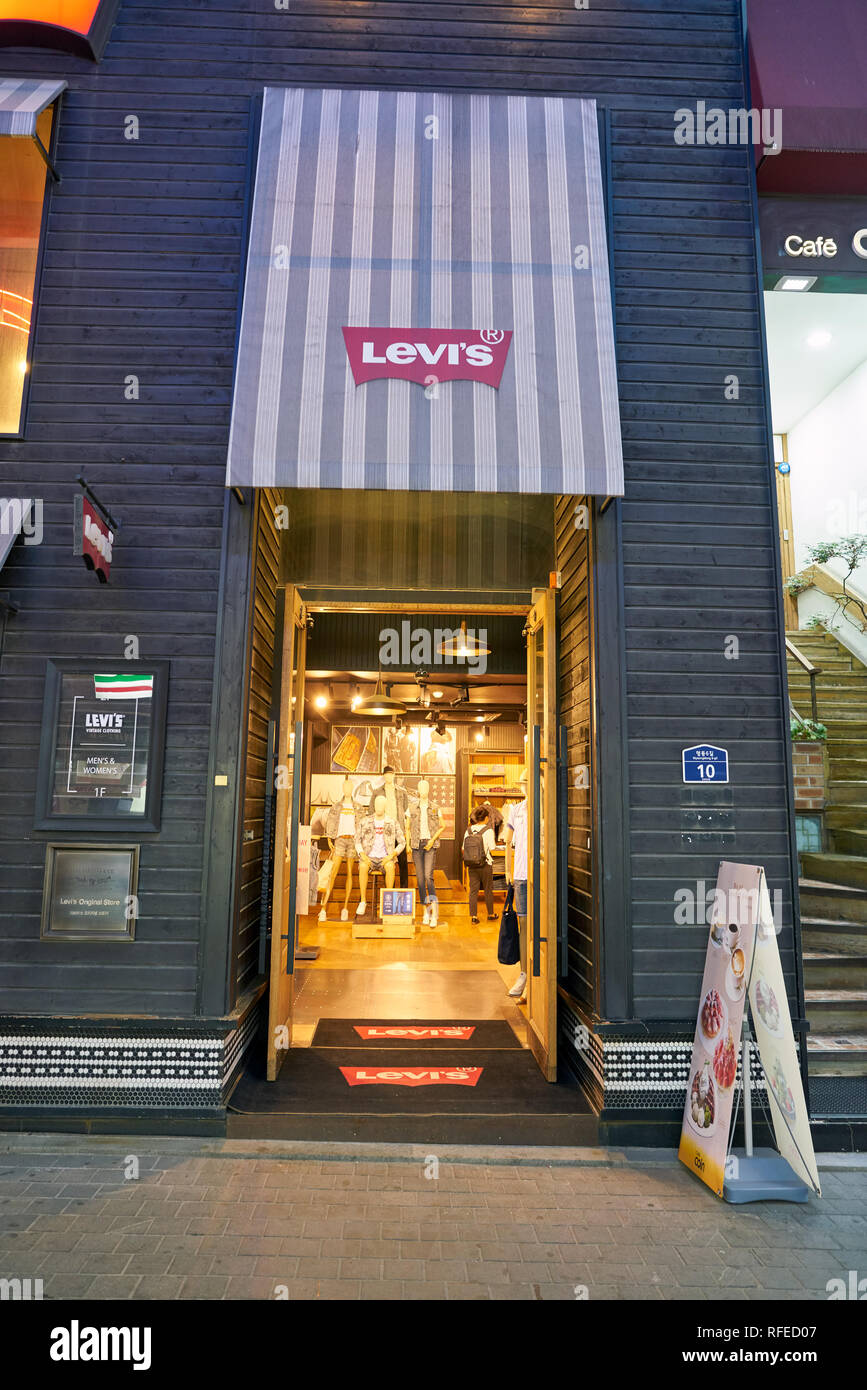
379, 704
462, 647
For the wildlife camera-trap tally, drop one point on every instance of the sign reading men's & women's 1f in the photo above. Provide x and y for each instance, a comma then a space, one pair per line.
742, 962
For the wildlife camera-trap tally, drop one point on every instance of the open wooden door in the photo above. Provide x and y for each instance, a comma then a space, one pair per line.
287, 814
542, 876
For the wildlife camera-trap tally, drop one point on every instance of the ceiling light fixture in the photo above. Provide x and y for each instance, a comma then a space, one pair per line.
462, 647
795, 282
380, 704
321, 701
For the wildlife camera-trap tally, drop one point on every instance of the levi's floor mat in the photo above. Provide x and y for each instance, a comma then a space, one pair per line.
449, 1034
427, 1080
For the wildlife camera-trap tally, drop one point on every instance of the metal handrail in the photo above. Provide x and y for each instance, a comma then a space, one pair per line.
812, 672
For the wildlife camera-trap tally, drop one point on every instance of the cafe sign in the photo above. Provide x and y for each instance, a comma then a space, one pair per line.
815, 235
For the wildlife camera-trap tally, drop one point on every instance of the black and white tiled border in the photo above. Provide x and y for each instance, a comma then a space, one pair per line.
83, 1068
629, 1073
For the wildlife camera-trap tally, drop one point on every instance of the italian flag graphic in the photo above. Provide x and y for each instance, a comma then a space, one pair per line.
123, 687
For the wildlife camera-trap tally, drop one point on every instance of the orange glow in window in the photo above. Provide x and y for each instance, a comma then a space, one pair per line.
76, 15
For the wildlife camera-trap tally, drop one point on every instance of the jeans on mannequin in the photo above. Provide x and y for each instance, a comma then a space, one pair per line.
424, 860
403, 869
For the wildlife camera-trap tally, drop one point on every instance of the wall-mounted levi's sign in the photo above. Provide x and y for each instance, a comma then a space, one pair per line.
428, 355
412, 1076
455, 1033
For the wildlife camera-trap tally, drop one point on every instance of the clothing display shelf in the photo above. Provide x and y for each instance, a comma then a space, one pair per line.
494, 778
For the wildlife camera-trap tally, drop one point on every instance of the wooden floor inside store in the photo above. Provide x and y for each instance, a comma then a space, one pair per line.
446, 972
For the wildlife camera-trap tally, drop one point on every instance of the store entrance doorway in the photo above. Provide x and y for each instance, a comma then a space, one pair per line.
438, 974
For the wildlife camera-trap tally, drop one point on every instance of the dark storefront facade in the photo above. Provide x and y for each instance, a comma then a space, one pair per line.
670, 617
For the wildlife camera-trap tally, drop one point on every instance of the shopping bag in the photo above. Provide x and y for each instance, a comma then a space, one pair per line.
509, 946
324, 877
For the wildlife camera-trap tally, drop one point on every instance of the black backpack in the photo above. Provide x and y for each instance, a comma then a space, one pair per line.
473, 850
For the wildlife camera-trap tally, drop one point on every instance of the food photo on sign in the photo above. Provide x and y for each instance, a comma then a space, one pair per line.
714, 1063
743, 968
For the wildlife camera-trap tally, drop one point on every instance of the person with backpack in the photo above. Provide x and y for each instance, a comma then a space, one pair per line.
477, 855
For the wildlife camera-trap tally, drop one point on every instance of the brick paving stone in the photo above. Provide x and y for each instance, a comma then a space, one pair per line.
391, 1290
371, 1249
68, 1286
362, 1230
466, 1293
112, 1287
136, 1244
529, 1271
63, 1262
357, 1267
327, 1289
254, 1287
185, 1264
156, 1287
418, 1290
287, 1245
332, 1246
403, 1269
244, 1265
210, 1286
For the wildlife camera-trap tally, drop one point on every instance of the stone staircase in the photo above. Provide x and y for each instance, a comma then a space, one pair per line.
833, 884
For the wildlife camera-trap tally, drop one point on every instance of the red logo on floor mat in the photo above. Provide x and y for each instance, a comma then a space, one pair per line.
412, 1076
451, 1033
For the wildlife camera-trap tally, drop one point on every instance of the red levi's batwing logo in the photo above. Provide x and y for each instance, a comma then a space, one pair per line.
427, 355
451, 1033
412, 1076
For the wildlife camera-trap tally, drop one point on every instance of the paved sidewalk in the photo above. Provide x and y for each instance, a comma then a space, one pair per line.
164, 1218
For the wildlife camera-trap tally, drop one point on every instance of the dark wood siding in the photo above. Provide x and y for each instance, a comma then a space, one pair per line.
142, 276
266, 582
574, 694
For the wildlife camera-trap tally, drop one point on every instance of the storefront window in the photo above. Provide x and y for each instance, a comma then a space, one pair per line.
23, 176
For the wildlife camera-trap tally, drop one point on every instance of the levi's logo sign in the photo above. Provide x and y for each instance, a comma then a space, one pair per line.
452, 1033
428, 355
412, 1076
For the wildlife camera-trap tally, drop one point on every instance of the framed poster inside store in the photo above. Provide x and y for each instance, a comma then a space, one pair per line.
102, 748
90, 892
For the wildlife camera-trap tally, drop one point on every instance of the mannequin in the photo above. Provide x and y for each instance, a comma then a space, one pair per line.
425, 825
397, 809
340, 827
378, 842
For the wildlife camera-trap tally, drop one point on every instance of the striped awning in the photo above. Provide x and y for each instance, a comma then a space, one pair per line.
433, 225
22, 103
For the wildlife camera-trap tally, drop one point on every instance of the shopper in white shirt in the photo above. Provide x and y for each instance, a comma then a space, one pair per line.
480, 861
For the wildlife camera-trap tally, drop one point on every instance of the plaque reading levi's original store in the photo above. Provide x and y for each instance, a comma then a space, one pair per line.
102, 746
90, 892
